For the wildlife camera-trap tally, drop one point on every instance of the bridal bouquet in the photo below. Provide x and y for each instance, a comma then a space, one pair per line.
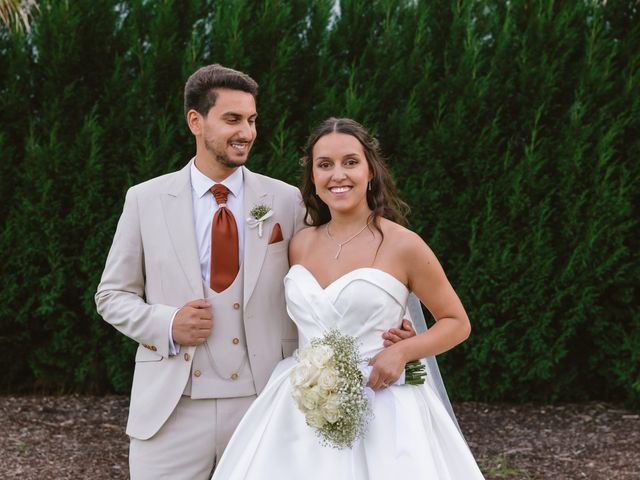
328, 388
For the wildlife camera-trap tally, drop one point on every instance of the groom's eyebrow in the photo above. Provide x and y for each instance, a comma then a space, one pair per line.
236, 116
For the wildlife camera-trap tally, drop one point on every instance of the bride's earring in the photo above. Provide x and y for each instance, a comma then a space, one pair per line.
369, 186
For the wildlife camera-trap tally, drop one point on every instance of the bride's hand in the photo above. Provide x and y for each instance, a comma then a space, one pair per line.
387, 365
395, 335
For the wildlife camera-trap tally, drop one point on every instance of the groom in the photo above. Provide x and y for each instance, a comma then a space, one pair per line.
195, 276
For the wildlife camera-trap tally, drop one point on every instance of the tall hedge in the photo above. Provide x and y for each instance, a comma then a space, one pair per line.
512, 129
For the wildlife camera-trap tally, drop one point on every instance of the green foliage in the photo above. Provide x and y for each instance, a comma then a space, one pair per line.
512, 129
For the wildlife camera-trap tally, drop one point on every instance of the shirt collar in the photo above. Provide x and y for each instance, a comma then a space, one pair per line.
201, 184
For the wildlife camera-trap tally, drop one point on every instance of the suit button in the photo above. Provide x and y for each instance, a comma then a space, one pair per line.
236, 341
234, 376
197, 373
186, 357
236, 306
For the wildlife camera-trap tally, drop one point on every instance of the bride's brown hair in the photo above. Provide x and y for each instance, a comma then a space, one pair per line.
382, 198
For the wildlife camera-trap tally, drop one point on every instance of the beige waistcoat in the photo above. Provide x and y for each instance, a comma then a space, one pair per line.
220, 367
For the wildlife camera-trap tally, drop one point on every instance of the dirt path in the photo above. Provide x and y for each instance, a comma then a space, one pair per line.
78, 437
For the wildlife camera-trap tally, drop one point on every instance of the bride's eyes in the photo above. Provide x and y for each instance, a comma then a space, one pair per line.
349, 162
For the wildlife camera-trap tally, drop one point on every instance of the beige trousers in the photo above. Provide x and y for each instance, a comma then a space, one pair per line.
190, 442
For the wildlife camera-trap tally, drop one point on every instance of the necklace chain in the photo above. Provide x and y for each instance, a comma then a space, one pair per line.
341, 244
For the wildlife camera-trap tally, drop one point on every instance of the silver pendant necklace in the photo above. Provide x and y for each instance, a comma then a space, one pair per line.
341, 244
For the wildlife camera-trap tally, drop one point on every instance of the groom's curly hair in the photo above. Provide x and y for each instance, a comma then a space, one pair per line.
382, 198
200, 90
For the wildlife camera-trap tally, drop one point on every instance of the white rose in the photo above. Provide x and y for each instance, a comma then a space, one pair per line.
312, 398
328, 379
320, 355
299, 374
298, 396
331, 409
315, 419
303, 354
330, 415
314, 374
333, 401
304, 374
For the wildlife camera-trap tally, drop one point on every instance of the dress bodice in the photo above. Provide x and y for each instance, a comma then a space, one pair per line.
362, 303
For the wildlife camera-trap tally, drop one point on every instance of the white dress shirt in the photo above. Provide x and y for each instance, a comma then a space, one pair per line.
204, 208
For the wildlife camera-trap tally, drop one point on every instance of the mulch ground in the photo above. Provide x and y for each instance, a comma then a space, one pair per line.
78, 437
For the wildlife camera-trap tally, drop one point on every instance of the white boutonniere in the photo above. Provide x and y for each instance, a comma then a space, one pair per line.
259, 214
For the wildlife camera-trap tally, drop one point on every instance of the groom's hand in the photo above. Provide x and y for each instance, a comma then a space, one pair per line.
395, 335
193, 323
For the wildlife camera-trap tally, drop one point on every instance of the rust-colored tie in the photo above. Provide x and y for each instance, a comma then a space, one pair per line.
224, 242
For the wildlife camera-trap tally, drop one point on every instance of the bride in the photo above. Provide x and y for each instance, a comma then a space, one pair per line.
353, 270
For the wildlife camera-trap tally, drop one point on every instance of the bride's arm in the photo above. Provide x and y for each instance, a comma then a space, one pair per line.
427, 280
430, 284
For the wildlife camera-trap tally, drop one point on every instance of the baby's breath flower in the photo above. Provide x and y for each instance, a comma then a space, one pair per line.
259, 211
257, 216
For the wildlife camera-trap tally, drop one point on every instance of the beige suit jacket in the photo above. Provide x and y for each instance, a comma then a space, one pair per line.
153, 268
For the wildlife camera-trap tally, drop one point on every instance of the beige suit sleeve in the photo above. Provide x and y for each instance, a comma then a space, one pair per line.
120, 298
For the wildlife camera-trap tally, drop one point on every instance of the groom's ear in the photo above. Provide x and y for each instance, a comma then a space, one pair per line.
194, 120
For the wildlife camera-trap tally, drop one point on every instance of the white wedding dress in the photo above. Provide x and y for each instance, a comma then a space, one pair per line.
411, 435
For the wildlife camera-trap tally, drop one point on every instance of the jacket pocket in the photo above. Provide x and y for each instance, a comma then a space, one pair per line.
277, 248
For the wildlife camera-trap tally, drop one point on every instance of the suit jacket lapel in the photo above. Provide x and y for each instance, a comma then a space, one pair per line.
177, 206
255, 247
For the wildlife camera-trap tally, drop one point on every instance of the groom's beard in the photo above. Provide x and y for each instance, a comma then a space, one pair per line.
222, 158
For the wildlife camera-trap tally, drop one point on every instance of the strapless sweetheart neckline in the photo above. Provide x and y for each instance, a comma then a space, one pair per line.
347, 275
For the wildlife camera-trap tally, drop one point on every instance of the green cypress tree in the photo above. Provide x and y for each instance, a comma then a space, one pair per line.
512, 129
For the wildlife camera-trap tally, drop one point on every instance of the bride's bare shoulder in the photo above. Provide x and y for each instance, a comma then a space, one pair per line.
397, 232
406, 243
304, 235
300, 243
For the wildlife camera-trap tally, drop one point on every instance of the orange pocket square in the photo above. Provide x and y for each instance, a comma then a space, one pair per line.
276, 234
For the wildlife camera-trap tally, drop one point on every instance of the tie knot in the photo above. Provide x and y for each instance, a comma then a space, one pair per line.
220, 193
